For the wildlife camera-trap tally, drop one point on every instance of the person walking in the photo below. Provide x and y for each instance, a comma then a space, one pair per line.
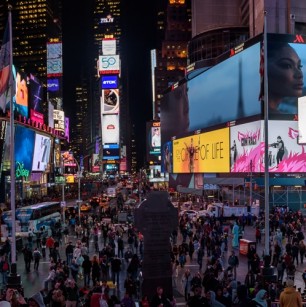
86, 265
289, 297
233, 262
186, 282
115, 268
37, 257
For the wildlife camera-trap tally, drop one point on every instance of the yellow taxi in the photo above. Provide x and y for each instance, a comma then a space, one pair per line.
85, 207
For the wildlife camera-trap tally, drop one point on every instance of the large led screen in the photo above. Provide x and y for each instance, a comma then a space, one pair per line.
246, 147
24, 149
109, 64
35, 99
111, 152
3, 127
205, 152
22, 94
285, 154
302, 120
54, 59
153, 140
41, 155
166, 165
110, 129
286, 70
110, 101
59, 120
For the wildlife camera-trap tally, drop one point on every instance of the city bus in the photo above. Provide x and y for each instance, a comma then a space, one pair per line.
31, 218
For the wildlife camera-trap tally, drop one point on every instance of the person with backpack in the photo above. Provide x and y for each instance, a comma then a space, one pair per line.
37, 257
233, 262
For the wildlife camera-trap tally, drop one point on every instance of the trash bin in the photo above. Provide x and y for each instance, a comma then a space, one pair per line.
245, 245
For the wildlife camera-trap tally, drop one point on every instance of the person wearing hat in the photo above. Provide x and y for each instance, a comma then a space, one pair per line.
289, 296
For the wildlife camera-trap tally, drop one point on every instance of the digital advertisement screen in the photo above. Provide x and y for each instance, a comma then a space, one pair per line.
302, 119
246, 147
111, 152
109, 64
227, 91
110, 101
53, 85
54, 59
166, 165
205, 152
108, 46
22, 95
24, 149
59, 120
95, 167
109, 82
110, 129
153, 141
123, 162
285, 154
286, 70
35, 88
41, 155
68, 158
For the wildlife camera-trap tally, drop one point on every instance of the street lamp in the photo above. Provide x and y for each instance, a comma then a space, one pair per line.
79, 176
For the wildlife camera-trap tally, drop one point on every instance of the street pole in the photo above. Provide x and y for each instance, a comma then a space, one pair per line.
13, 280
251, 183
79, 193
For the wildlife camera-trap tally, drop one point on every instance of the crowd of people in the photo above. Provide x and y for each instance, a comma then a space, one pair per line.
217, 284
88, 273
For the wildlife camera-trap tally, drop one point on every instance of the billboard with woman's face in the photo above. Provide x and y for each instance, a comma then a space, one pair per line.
286, 59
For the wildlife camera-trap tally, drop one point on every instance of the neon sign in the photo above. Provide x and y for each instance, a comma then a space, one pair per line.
20, 171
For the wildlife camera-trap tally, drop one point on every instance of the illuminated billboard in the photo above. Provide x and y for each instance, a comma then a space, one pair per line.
111, 152
41, 155
286, 59
230, 90
54, 59
302, 119
22, 94
110, 101
53, 85
246, 149
206, 152
59, 120
35, 89
110, 129
109, 82
68, 158
109, 64
24, 149
95, 167
166, 165
108, 46
285, 154
153, 141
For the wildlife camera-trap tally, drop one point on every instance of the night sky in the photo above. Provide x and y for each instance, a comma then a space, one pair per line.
139, 33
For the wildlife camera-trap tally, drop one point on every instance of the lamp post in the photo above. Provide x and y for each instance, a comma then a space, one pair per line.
79, 201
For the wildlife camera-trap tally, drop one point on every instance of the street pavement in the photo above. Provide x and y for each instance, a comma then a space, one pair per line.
33, 282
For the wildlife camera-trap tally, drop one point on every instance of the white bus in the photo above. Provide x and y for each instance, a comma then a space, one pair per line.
31, 218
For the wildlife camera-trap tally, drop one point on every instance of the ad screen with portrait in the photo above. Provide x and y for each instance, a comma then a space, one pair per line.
286, 62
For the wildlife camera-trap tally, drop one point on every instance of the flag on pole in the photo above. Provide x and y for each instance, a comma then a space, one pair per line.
262, 70
5, 69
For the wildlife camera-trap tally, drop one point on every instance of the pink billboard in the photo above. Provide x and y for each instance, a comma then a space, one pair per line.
285, 155
245, 142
